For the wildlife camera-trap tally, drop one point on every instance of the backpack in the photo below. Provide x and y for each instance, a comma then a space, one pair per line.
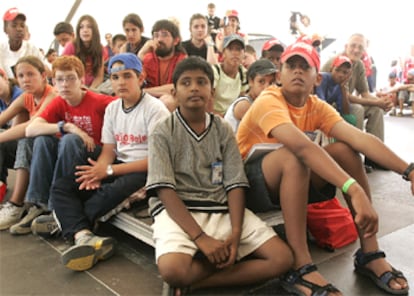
331, 225
242, 78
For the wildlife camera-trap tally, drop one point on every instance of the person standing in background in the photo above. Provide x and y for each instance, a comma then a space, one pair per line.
214, 22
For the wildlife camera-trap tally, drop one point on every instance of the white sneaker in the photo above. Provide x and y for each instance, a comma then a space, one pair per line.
10, 215
23, 226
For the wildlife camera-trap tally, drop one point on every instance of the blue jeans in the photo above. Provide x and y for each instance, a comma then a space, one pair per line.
52, 159
78, 209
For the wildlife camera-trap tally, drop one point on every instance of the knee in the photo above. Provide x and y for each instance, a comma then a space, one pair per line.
42, 141
291, 163
282, 260
174, 275
70, 140
343, 151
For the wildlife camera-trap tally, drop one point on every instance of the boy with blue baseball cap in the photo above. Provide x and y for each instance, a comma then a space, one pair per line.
100, 185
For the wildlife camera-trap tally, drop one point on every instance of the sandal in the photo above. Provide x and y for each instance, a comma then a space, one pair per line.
295, 277
382, 281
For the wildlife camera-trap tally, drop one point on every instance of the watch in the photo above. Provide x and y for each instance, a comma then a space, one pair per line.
109, 170
407, 171
60, 125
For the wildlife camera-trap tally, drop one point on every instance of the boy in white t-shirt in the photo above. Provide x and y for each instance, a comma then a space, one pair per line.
119, 171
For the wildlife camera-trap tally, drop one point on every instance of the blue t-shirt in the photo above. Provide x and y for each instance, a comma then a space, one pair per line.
16, 91
330, 91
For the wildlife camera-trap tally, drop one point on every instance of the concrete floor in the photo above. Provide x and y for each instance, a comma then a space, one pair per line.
30, 265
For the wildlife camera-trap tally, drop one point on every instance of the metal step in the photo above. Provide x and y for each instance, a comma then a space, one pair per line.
140, 228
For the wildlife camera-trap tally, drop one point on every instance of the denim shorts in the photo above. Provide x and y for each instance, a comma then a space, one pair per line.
24, 153
258, 198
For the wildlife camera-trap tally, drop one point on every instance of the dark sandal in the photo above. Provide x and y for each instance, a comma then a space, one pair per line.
382, 281
295, 277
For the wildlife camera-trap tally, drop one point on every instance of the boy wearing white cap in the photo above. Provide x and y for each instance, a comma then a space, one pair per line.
302, 172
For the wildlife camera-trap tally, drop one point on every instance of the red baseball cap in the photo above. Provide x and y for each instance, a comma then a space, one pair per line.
315, 40
305, 50
232, 13
12, 13
274, 42
340, 60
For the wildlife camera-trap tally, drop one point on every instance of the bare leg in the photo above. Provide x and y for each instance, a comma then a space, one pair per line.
272, 259
289, 180
351, 162
20, 186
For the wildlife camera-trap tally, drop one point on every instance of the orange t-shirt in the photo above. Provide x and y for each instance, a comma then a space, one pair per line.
270, 110
30, 104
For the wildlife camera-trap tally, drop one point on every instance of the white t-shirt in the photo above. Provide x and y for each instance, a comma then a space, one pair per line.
229, 116
130, 131
9, 58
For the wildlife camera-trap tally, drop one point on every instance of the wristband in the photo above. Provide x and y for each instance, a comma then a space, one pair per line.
60, 125
347, 184
198, 236
407, 171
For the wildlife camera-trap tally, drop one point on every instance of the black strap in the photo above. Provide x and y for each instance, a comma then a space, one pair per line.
364, 258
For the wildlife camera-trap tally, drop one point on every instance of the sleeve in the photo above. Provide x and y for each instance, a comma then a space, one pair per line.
233, 168
329, 117
158, 112
361, 82
160, 166
108, 133
53, 111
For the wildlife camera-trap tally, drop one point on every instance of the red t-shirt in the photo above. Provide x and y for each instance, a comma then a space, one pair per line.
88, 115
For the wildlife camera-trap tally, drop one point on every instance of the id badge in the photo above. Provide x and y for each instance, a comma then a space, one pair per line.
217, 172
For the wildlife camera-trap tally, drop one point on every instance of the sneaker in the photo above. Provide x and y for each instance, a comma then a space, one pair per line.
3, 191
45, 226
10, 214
23, 227
86, 252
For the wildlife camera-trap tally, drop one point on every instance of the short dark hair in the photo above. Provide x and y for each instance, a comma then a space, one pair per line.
117, 37
172, 28
193, 63
134, 19
63, 27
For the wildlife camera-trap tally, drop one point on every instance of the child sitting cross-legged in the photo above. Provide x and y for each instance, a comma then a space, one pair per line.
196, 183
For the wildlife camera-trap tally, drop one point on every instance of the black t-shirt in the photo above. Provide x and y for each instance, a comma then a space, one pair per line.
213, 23
195, 51
140, 45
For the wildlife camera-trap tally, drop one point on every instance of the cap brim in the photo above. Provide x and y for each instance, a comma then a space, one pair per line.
235, 40
307, 59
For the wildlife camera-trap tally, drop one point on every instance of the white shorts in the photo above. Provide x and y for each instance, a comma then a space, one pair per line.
170, 238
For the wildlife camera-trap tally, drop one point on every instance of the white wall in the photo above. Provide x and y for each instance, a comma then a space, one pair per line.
389, 28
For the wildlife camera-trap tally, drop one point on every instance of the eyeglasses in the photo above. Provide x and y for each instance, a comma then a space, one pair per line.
162, 34
68, 79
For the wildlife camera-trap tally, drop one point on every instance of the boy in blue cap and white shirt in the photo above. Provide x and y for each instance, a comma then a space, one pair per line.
119, 171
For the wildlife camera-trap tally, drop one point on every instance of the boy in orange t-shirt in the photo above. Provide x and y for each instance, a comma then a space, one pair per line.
301, 171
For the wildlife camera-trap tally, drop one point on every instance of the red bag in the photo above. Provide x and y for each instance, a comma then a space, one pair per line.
330, 224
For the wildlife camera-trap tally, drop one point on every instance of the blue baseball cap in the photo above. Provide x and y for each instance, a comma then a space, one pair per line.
130, 61
231, 38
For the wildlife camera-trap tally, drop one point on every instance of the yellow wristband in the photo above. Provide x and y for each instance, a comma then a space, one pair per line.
347, 184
